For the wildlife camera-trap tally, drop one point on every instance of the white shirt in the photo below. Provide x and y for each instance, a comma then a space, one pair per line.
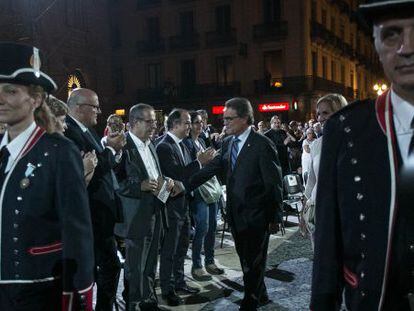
16, 145
243, 137
146, 155
402, 116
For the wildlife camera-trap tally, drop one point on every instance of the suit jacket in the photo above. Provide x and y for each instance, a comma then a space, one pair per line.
47, 232
355, 205
192, 148
103, 199
278, 137
254, 187
173, 166
137, 205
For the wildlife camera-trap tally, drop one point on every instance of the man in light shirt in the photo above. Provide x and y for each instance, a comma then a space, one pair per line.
364, 239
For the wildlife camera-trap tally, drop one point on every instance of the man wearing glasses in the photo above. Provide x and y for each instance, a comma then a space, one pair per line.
250, 165
103, 201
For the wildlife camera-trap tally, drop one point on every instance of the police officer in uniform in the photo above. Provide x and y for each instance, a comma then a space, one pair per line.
364, 240
46, 251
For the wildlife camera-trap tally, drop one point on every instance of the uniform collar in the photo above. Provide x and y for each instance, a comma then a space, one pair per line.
16, 145
403, 111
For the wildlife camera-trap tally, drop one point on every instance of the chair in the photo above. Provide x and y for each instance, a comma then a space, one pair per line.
293, 195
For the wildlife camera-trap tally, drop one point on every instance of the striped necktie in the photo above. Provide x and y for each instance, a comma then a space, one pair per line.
234, 152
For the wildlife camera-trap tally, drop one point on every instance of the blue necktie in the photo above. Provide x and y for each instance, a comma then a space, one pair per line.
234, 151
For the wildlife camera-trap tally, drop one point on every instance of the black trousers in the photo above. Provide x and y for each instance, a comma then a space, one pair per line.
251, 246
44, 296
173, 251
107, 272
141, 261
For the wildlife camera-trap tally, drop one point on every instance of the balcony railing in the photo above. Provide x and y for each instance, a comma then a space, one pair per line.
185, 42
150, 47
270, 31
217, 38
303, 84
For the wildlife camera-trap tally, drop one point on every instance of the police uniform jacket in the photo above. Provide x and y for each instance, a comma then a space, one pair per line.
357, 214
45, 221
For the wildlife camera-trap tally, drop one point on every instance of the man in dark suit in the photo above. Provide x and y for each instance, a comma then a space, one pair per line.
176, 163
279, 138
141, 179
364, 226
46, 256
104, 203
249, 162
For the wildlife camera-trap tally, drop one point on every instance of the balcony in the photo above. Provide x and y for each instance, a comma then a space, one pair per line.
219, 39
143, 4
185, 42
321, 34
201, 91
150, 47
270, 31
303, 84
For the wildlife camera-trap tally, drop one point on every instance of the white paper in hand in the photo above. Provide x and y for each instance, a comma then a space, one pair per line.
164, 193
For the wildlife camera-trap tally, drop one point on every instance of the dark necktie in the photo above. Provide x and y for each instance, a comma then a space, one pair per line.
92, 139
234, 151
4, 157
411, 146
182, 146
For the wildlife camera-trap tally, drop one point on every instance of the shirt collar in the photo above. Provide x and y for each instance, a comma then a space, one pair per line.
138, 142
403, 110
17, 144
176, 139
83, 127
243, 136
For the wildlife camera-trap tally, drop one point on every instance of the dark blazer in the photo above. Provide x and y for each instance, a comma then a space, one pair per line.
192, 148
356, 183
136, 203
173, 166
104, 201
278, 137
254, 187
46, 224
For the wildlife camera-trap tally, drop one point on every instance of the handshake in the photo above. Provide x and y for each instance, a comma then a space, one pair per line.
154, 186
206, 156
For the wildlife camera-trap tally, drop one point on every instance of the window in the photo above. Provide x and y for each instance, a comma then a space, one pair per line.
154, 76
188, 73
324, 22
351, 39
333, 24
223, 19
324, 67
224, 70
153, 29
187, 23
314, 63
273, 63
343, 74
271, 10
351, 78
333, 70
313, 10
342, 31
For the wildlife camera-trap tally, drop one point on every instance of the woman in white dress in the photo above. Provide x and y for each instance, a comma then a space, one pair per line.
325, 107
306, 157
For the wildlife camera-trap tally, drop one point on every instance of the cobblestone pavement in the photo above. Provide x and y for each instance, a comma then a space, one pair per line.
288, 277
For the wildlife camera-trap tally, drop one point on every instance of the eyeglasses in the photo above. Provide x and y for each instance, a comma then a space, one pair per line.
97, 108
229, 119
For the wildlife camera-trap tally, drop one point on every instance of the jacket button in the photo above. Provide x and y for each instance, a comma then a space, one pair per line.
342, 118
361, 217
363, 236
359, 196
363, 255
363, 294
357, 178
17, 276
350, 144
15, 226
347, 129
362, 274
15, 239
16, 211
16, 252
16, 263
19, 198
354, 161
46, 154
412, 248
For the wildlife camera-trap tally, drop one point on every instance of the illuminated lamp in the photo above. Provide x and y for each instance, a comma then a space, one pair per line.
120, 112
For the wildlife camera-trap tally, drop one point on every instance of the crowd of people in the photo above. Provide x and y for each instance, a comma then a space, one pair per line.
71, 199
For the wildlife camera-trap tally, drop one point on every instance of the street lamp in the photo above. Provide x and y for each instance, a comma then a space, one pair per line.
380, 88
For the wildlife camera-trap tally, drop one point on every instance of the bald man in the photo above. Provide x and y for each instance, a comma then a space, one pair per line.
103, 201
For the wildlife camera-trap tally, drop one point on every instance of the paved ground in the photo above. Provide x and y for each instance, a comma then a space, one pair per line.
287, 278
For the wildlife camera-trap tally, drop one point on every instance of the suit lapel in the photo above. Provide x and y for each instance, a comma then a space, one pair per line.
245, 149
154, 155
177, 149
136, 158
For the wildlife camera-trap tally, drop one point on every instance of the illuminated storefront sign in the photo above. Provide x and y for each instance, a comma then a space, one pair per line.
273, 107
217, 109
